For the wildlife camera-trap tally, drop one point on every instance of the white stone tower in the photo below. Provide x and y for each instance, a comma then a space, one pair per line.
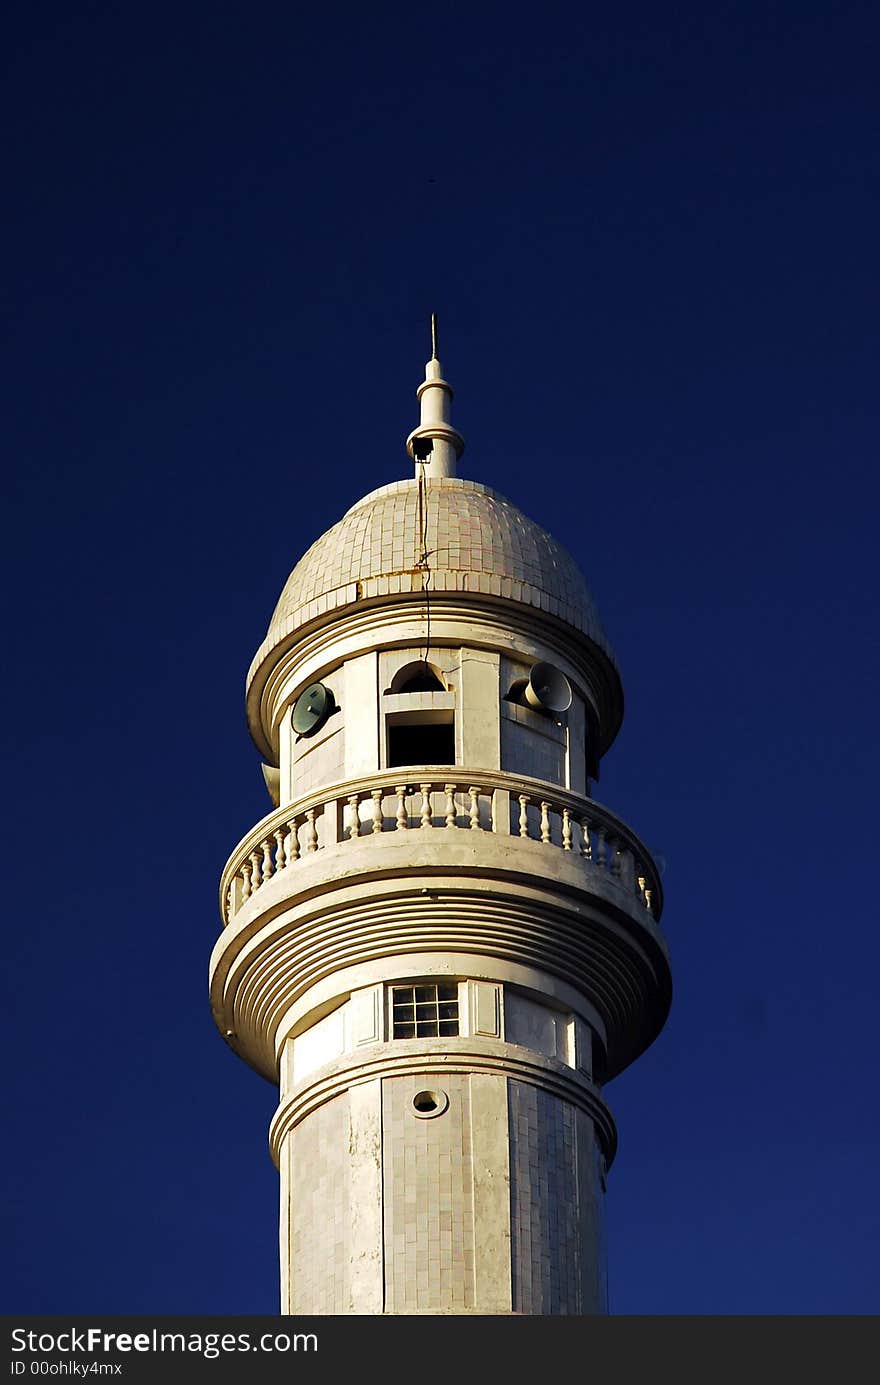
438, 944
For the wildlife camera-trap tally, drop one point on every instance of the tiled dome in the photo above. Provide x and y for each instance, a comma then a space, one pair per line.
476, 539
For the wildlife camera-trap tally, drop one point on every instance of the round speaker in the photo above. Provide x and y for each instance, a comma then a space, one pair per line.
311, 709
548, 689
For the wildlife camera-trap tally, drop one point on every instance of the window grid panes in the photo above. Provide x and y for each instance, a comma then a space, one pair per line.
424, 1012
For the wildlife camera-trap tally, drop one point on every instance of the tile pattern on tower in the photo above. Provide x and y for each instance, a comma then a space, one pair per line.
544, 1202
428, 1197
319, 1211
476, 540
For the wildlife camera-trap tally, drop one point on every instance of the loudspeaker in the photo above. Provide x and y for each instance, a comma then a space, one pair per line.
272, 776
548, 689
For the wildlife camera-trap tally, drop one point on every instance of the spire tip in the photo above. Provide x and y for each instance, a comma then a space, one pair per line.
435, 445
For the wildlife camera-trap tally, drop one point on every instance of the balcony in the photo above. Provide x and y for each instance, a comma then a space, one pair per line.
431, 800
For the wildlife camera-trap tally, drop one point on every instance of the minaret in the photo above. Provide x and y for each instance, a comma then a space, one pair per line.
438, 944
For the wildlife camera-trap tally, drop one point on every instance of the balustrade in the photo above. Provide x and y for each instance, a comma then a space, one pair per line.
562, 820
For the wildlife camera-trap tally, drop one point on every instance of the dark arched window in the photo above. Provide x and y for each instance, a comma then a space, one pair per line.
424, 733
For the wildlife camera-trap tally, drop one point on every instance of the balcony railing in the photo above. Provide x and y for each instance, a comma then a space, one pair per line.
432, 799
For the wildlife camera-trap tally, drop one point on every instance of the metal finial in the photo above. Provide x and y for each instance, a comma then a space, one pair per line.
435, 445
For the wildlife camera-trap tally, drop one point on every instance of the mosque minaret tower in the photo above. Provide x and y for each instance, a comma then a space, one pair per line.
438, 944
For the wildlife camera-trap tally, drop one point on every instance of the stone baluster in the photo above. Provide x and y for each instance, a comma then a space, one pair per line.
566, 829
523, 815
246, 887
427, 814
376, 795
354, 825
400, 790
644, 888
280, 852
614, 857
545, 822
599, 856
311, 830
449, 790
256, 872
474, 809
625, 868
586, 844
293, 852
230, 899
267, 859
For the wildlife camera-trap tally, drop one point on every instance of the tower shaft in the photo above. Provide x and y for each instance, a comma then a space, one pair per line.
438, 943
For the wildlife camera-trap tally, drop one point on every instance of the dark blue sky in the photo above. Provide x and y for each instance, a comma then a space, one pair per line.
651, 235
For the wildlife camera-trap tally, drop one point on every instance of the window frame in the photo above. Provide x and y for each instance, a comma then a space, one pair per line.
404, 997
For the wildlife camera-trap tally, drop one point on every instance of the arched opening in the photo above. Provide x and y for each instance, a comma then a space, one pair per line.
417, 677
420, 721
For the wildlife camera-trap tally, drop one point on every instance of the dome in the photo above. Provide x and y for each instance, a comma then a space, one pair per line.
477, 541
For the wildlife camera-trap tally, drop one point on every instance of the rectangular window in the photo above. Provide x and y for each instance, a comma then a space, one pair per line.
424, 1012
421, 743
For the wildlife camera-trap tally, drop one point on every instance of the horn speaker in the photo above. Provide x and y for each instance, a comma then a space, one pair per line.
548, 689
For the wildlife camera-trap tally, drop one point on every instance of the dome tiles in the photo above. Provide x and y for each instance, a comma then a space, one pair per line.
477, 541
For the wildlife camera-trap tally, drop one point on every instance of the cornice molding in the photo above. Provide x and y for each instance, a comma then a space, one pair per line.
266, 963
460, 1056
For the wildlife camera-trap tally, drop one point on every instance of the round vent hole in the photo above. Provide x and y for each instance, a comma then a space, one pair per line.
426, 1104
